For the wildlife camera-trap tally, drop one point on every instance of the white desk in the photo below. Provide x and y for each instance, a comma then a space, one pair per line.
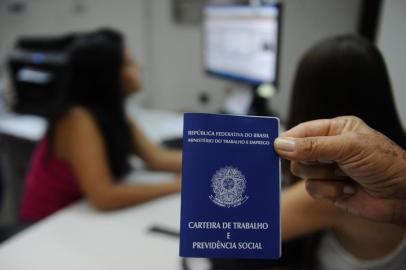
79, 237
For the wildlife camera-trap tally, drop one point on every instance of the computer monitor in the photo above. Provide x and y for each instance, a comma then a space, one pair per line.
241, 42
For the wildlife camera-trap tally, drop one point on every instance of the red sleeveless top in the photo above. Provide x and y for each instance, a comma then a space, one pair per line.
50, 185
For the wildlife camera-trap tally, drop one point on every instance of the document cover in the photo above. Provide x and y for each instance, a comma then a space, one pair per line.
230, 200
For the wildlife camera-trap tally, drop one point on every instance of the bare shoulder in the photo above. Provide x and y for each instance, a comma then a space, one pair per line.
78, 117
78, 121
76, 128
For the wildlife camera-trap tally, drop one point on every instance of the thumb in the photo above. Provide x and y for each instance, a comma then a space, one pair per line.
311, 148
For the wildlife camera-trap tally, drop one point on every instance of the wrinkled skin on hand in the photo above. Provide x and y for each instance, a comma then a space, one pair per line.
346, 162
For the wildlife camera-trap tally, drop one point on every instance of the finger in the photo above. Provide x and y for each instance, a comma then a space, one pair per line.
316, 171
364, 205
309, 129
316, 162
323, 127
315, 128
330, 190
313, 148
309, 162
357, 201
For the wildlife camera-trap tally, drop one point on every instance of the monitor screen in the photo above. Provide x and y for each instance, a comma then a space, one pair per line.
241, 42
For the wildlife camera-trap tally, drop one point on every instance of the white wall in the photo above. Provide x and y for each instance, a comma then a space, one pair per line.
392, 42
176, 67
306, 22
171, 53
58, 16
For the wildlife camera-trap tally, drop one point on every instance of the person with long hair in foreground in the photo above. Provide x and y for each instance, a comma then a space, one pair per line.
344, 75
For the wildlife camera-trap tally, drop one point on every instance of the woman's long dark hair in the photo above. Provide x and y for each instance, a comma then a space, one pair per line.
96, 61
345, 75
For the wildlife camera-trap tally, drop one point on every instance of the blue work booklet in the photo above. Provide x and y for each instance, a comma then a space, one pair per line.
230, 187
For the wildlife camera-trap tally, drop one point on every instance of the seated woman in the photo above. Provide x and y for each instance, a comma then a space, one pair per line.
86, 148
344, 75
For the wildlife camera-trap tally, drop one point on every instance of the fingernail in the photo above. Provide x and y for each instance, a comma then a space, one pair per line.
318, 196
322, 197
285, 144
349, 190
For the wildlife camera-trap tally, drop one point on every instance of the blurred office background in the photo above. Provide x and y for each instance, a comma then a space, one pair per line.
165, 37
170, 51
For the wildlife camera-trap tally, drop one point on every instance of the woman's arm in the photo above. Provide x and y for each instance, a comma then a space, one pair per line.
80, 143
155, 156
301, 214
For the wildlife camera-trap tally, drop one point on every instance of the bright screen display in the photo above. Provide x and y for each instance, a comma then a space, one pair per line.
241, 42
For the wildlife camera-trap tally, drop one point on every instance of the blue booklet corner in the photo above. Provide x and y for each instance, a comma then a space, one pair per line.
230, 200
